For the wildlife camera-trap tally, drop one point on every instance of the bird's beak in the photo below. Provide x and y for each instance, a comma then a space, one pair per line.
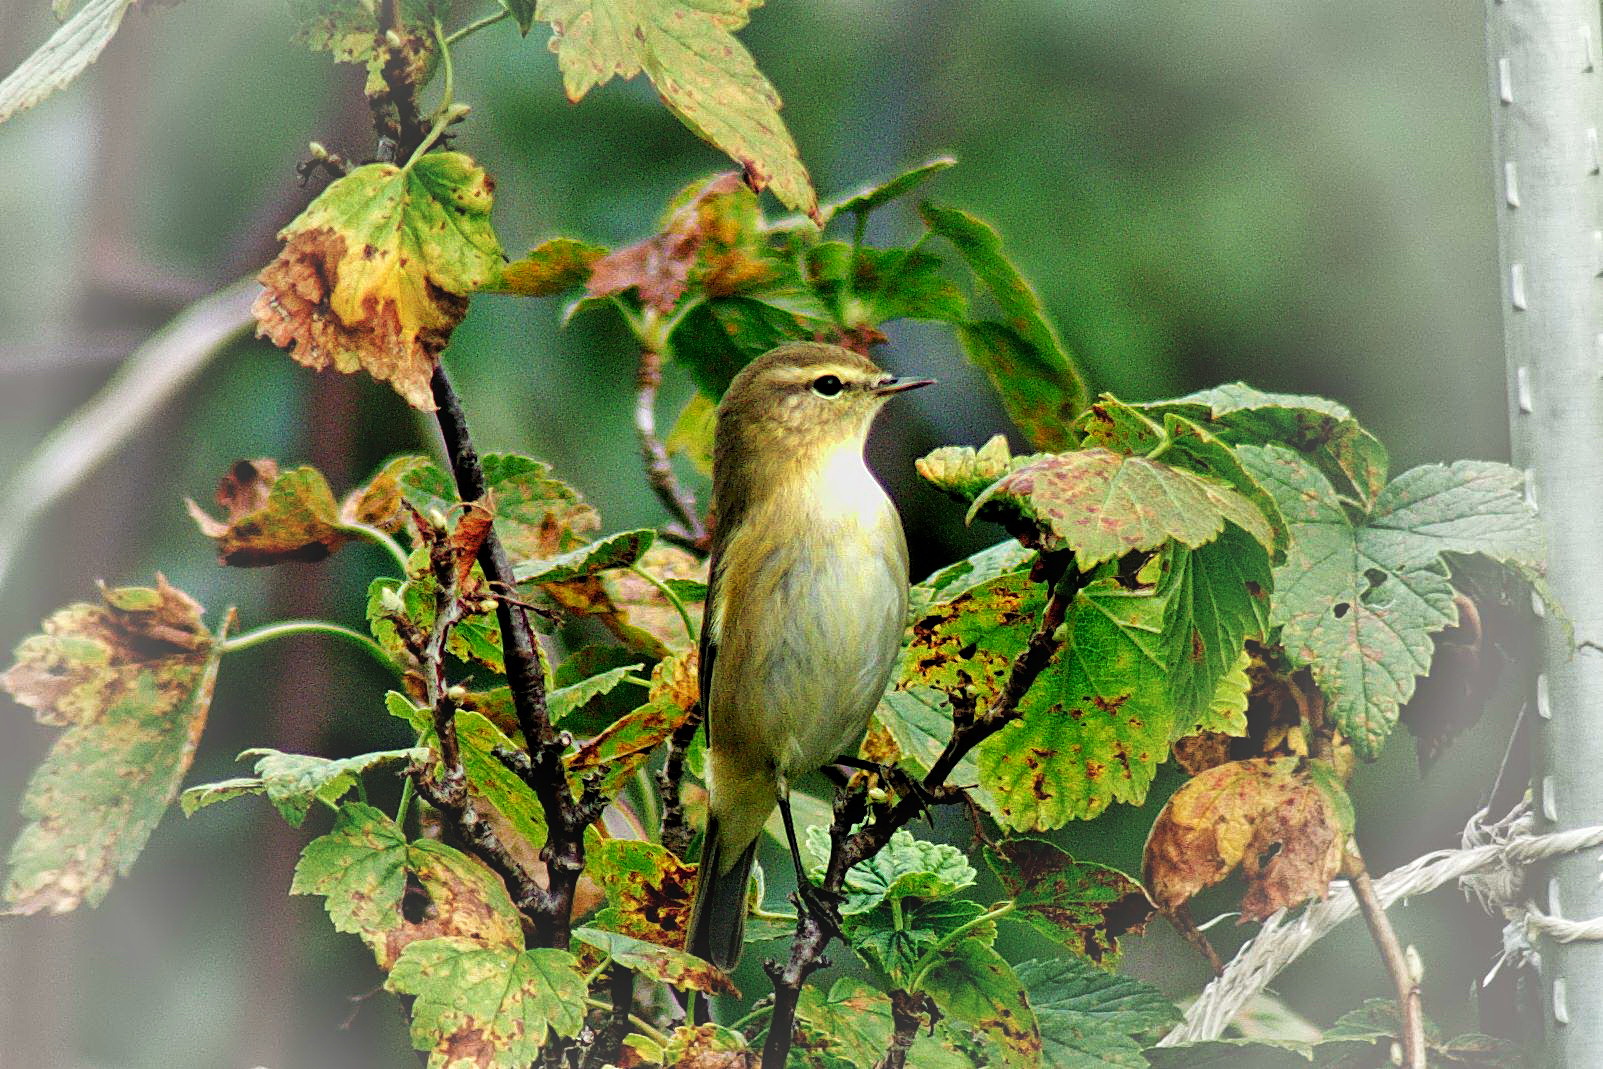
890, 386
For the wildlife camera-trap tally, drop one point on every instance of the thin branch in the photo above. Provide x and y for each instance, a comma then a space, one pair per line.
608, 1042
659, 470
908, 1013
676, 831
847, 848
1403, 978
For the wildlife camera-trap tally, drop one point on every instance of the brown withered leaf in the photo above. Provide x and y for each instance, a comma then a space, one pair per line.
273, 518
674, 680
131, 681
1284, 821
1084, 906
467, 536
448, 893
375, 274
879, 745
710, 238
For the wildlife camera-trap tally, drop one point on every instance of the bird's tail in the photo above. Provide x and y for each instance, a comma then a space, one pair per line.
718, 917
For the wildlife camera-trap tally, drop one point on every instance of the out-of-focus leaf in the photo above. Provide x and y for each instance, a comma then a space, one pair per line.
1229, 1054
867, 286
551, 267
1284, 821
1089, 1016
490, 1007
273, 517
1103, 505
1032, 371
691, 434
1359, 599
874, 196
76, 43
673, 967
131, 680
522, 12
350, 31
292, 782
703, 73
717, 338
376, 272
1083, 906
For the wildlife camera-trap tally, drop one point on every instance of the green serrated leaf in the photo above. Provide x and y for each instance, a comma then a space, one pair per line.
536, 514
563, 701
1004, 558
292, 782
897, 943
1218, 597
874, 196
1082, 906
199, 797
360, 869
1089, 1016
614, 551
867, 286
851, 1024
972, 983
131, 681
906, 867
703, 73
1027, 363
375, 273
1359, 598
500, 1003
76, 44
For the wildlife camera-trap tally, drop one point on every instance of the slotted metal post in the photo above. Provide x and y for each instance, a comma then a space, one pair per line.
1546, 78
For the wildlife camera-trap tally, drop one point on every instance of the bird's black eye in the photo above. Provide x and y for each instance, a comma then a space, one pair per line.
827, 386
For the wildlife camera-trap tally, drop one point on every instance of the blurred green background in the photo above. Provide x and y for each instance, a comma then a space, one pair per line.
1296, 194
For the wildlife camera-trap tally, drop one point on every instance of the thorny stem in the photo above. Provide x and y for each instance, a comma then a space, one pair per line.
1403, 978
284, 628
542, 768
659, 471
847, 848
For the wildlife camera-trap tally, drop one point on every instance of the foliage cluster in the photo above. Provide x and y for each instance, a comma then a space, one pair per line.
1231, 578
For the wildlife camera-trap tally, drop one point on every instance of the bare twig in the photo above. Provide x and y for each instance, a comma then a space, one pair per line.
675, 833
1403, 978
908, 1013
659, 470
395, 112
847, 848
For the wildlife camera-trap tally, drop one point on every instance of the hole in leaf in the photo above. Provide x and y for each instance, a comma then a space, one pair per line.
415, 901
1342, 609
1375, 577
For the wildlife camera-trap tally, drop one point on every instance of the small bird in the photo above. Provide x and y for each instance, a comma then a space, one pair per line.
805, 605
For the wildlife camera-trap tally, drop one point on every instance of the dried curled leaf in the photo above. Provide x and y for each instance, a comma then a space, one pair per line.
131, 681
273, 518
1284, 821
376, 272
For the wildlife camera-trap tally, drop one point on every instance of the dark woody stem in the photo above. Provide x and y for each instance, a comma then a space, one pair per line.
688, 530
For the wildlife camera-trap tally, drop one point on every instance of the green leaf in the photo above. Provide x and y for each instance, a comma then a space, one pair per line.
360, 869
1229, 1054
487, 1006
874, 196
905, 868
614, 551
1103, 505
1089, 1016
692, 433
964, 473
522, 12
375, 273
553, 266
1359, 598
1325, 430
564, 701
76, 43
851, 1024
537, 515
489, 780
1033, 373
703, 73
673, 967
717, 338
1227, 712
972, 983
292, 782
1004, 558
615, 755
476, 636
867, 286
1097, 722
131, 681
1218, 597
1080, 905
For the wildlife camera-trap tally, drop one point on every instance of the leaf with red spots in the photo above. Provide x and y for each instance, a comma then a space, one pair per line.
131, 680
1103, 505
1083, 906
1284, 821
703, 73
375, 274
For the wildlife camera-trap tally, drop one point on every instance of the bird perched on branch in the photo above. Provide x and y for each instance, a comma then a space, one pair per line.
805, 607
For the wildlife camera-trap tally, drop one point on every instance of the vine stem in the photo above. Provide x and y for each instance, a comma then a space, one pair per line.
673, 599
474, 27
284, 628
1409, 1003
380, 539
659, 470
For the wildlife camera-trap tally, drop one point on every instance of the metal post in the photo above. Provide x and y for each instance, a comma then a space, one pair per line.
1547, 98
